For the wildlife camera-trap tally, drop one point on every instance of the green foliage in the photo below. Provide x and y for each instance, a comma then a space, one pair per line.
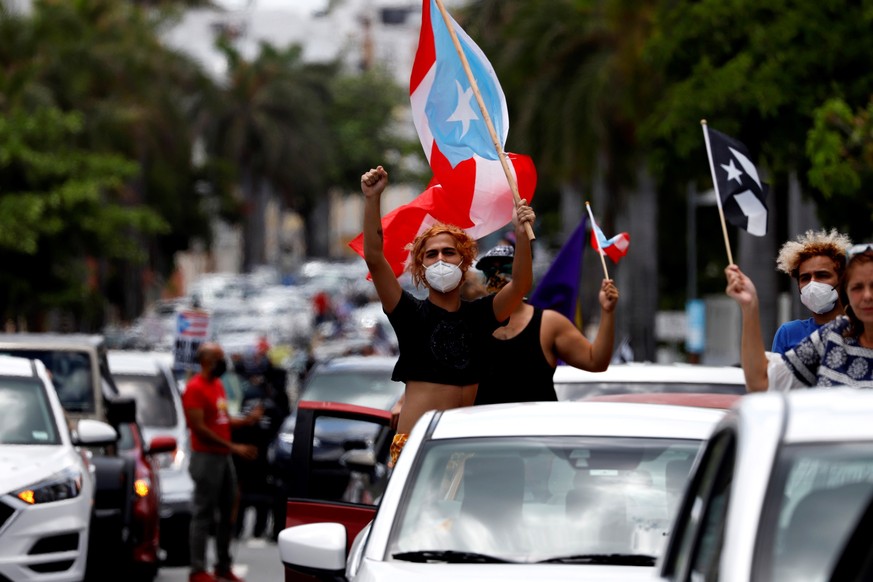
60, 204
840, 149
362, 119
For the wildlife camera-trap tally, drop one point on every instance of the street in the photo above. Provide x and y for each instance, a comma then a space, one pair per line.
256, 560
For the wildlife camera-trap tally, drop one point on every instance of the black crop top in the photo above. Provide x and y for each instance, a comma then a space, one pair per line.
445, 347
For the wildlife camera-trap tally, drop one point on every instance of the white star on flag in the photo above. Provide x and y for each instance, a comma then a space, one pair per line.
464, 112
733, 173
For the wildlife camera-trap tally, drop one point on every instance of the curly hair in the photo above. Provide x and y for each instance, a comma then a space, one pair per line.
857, 326
831, 244
464, 243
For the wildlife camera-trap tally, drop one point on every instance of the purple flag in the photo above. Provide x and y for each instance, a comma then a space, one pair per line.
559, 287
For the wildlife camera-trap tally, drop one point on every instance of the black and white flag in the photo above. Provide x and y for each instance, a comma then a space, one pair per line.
742, 195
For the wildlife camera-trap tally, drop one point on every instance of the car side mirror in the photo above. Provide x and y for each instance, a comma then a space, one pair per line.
162, 444
94, 433
315, 549
359, 460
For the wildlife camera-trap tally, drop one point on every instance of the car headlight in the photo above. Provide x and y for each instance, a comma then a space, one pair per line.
64, 484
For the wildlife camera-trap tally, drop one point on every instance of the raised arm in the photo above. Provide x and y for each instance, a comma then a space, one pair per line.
573, 348
387, 287
512, 294
752, 352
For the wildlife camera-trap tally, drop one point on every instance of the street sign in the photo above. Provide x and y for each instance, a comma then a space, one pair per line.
192, 331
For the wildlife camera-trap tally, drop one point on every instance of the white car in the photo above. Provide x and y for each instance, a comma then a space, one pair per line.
46, 486
147, 377
644, 377
778, 490
533, 491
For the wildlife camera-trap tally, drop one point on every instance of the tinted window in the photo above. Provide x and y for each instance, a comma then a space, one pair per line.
25, 413
700, 524
545, 498
154, 400
373, 389
71, 375
821, 492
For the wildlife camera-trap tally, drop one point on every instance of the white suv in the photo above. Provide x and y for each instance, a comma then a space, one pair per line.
46, 485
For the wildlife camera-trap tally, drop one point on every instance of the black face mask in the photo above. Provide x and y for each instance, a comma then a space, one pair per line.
219, 369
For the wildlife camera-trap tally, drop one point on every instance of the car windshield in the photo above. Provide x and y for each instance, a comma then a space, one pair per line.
559, 499
582, 390
25, 413
71, 375
370, 388
820, 491
155, 406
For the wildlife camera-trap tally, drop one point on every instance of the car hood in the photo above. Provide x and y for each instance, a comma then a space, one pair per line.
373, 571
23, 465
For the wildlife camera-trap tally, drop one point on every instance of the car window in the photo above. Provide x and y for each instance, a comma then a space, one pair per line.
25, 413
155, 406
71, 375
373, 389
700, 523
126, 438
349, 460
820, 492
581, 390
544, 498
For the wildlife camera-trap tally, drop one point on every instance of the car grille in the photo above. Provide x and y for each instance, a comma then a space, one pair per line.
5, 513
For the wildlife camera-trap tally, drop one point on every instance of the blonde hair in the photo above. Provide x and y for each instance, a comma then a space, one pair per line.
810, 244
464, 243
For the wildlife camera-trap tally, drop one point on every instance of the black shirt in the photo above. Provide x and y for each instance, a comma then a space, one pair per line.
517, 370
445, 347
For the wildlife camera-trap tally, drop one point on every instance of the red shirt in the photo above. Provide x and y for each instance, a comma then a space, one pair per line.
208, 395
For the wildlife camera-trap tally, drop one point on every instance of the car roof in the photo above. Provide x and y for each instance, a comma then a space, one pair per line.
15, 366
812, 415
358, 363
51, 340
583, 418
138, 362
645, 372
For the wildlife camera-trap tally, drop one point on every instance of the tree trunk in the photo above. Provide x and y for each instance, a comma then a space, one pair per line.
637, 274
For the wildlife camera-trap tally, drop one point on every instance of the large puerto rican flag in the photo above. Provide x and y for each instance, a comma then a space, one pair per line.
469, 188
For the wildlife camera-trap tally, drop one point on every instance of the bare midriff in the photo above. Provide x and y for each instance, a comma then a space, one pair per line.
424, 396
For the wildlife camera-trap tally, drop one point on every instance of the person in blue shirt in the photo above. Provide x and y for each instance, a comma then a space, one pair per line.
816, 260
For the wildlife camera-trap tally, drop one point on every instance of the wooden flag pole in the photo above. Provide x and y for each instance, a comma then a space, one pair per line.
724, 231
599, 250
513, 185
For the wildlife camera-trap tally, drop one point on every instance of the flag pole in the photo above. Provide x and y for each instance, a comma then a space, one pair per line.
727, 243
513, 185
599, 250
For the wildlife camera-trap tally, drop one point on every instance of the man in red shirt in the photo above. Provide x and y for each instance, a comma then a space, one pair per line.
211, 466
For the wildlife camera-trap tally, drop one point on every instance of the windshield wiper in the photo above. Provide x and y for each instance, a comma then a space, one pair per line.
449, 557
611, 559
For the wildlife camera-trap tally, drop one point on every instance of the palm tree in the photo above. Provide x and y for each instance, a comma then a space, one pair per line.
270, 120
575, 82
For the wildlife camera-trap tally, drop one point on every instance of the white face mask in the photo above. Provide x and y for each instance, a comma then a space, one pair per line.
818, 297
443, 276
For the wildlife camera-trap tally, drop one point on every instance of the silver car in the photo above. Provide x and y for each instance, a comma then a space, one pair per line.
148, 378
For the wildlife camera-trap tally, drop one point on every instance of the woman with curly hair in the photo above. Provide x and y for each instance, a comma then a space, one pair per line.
839, 353
440, 338
816, 260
